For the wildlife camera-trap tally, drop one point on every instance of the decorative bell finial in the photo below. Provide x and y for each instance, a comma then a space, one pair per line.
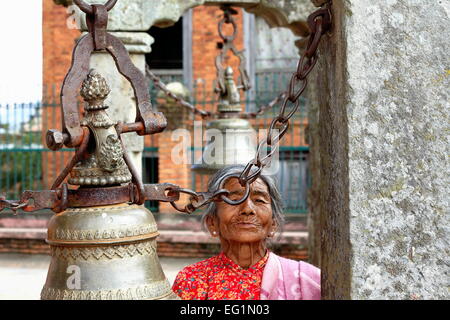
230, 100
105, 166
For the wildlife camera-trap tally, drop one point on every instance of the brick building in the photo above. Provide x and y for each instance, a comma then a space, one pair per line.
184, 52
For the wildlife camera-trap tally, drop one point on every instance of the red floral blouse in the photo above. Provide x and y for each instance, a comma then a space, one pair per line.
219, 278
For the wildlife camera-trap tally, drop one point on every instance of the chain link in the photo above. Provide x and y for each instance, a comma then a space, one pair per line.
196, 199
88, 9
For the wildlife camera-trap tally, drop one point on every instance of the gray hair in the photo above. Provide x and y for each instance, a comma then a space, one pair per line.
269, 180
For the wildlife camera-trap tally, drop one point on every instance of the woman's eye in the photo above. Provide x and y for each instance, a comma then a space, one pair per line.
260, 201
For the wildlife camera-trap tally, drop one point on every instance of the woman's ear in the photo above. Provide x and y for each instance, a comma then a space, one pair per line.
211, 225
274, 226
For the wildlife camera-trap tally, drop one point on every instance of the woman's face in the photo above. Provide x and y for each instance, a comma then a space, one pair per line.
250, 221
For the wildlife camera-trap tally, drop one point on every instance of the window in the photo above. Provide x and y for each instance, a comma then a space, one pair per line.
294, 179
167, 50
171, 56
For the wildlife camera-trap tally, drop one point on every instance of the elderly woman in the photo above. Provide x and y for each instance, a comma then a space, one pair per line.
245, 269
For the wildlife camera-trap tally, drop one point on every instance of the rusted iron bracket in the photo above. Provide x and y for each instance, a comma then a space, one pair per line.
63, 198
98, 39
228, 45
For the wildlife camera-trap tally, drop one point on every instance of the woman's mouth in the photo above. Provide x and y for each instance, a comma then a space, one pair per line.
246, 225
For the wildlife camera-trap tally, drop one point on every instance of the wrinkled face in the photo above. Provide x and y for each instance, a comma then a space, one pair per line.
250, 221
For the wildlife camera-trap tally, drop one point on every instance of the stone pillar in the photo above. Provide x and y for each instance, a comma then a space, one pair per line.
312, 135
383, 79
176, 171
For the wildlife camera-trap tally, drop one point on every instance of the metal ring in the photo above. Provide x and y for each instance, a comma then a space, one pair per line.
188, 208
233, 36
220, 193
175, 206
87, 8
228, 200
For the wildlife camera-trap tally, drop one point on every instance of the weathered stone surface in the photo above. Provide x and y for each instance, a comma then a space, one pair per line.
384, 104
140, 15
313, 139
135, 42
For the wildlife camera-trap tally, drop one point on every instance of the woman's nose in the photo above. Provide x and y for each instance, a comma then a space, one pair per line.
248, 208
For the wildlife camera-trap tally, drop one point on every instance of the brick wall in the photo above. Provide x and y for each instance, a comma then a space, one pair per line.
58, 42
170, 172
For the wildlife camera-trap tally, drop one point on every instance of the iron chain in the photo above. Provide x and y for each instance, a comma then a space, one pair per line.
206, 114
11, 204
197, 199
319, 22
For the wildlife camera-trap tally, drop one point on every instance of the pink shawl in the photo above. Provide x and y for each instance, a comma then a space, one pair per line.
285, 279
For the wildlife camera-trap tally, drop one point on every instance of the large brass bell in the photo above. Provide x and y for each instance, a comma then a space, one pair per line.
231, 140
104, 252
